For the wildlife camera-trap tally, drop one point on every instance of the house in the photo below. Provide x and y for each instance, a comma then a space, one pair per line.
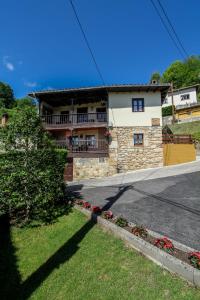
188, 113
186, 96
107, 129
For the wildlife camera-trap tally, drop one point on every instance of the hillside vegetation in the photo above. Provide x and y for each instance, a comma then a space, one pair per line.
192, 128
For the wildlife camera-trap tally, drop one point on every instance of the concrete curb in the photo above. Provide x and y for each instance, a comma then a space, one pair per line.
158, 256
177, 245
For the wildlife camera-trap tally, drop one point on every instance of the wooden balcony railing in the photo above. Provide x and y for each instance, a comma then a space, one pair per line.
78, 146
68, 120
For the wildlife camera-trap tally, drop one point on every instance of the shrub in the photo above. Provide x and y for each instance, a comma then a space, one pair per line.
194, 258
31, 184
165, 244
31, 181
167, 111
140, 231
108, 214
196, 136
122, 222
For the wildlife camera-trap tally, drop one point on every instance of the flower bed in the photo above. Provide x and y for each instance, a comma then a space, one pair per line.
192, 258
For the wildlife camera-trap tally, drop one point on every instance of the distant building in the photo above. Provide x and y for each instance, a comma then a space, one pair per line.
183, 97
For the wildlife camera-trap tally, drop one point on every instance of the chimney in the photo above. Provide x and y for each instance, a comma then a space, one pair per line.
4, 119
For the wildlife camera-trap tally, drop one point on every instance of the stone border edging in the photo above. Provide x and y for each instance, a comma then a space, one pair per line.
177, 245
155, 254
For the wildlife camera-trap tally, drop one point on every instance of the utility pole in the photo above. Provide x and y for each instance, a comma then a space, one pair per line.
173, 112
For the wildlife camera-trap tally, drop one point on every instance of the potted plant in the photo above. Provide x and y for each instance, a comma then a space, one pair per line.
108, 136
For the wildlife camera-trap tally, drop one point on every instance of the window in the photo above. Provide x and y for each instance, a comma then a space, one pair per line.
75, 140
138, 105
138, 139
185, 97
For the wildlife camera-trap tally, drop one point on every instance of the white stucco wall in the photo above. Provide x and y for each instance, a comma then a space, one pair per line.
120, 109
177, 97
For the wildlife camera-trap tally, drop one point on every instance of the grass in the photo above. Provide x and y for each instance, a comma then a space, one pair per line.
75, 259
192, 128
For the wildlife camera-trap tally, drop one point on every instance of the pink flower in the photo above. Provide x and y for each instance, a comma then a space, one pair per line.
108, 214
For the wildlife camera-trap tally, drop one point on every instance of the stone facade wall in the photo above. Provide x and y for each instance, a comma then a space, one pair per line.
90, 167
123, 155
130, 157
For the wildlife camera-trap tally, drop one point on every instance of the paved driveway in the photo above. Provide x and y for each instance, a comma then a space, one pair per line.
168, 205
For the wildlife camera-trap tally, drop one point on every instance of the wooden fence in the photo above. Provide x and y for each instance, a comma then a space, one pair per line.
177, 139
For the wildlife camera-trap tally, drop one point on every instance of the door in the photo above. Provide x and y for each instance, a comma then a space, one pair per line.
101, 114
68, 173
64, 117
82, 115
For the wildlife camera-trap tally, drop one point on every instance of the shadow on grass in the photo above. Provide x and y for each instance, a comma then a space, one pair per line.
63, 254
9, 275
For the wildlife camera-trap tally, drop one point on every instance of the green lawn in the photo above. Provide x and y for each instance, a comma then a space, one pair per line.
187, 128
75, 259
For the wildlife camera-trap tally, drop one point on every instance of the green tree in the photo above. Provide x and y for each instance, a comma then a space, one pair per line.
156, 76
6, 96
24, 102
184, 73
192, 66
176, 73
31, 170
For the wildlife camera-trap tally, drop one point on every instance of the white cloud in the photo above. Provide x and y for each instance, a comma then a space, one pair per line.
10, 66
30, 84
7, 63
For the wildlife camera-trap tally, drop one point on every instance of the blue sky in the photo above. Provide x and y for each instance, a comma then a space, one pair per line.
42, 47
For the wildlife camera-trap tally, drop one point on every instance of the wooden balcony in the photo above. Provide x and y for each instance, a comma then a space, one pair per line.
74, 120
84, 148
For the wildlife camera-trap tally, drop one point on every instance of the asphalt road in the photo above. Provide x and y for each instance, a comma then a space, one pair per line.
169, 206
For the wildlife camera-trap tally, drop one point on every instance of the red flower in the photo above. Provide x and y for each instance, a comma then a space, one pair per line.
194, 254
86, 204
96, 209
164, 243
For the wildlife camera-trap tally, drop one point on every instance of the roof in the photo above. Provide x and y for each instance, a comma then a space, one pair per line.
186, 107
197, 86
163, 88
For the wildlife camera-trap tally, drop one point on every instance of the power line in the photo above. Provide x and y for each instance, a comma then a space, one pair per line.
167, 29
87, 42
172, 27
96, 66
